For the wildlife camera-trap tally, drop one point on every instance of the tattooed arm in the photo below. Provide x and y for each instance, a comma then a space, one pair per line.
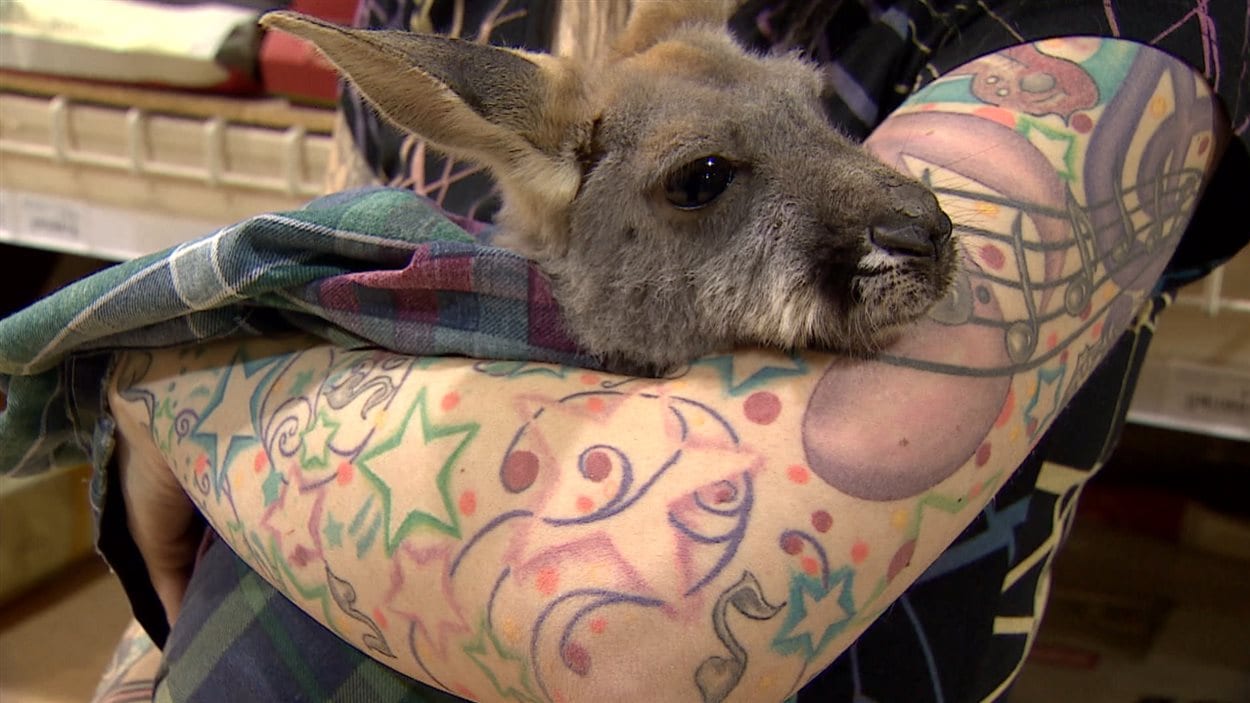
519, 531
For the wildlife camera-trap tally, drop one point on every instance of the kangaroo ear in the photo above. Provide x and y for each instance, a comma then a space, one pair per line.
653, 20
508, 110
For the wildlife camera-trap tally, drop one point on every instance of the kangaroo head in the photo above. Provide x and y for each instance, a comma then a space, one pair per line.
683, 195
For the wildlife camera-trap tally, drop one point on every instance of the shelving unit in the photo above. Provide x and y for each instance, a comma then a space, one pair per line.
114, 173
113, 182
1197, 374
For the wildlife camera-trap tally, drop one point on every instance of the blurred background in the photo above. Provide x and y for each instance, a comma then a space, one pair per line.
127, 127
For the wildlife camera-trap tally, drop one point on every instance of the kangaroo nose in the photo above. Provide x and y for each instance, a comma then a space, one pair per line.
916, 226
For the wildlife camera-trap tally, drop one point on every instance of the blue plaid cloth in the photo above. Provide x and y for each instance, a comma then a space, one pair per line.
378, 267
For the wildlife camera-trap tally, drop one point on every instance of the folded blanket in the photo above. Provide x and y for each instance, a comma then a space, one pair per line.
376, 267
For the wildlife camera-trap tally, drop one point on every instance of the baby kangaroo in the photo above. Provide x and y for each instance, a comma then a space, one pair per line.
683, 195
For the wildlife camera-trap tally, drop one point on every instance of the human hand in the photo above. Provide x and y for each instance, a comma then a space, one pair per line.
163, 521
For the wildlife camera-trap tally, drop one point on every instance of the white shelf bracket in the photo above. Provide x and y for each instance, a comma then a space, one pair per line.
58, 111
135, 140
1212, 288
293, 144
214, 150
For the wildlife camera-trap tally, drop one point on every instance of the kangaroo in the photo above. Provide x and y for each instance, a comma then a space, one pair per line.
683, 195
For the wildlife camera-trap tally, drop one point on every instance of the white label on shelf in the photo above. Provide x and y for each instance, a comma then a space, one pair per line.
41, 217
101, 231
1213, 396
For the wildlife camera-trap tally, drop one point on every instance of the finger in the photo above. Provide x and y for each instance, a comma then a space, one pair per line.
162, 520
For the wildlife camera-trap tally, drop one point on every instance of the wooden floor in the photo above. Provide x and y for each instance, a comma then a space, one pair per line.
56, 640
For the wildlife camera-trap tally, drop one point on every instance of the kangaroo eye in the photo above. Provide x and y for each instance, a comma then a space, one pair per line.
699, 182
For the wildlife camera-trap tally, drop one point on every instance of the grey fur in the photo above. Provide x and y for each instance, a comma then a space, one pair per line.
783, 258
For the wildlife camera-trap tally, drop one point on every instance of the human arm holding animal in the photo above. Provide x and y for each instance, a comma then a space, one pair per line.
562, 535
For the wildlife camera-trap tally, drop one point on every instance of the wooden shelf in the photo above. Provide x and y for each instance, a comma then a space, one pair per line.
261, 112
114, 182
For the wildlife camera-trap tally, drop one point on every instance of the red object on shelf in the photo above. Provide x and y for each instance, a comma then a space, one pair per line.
292, 68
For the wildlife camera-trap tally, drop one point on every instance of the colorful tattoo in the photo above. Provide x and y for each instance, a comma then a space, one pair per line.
515, 531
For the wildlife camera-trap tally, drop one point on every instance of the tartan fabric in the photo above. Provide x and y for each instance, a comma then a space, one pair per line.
238, 639
377, 267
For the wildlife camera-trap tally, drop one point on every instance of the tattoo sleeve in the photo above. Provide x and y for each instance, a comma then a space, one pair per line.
515, 531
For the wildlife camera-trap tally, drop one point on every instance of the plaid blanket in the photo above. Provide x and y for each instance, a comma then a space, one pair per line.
376, 267
239, 639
